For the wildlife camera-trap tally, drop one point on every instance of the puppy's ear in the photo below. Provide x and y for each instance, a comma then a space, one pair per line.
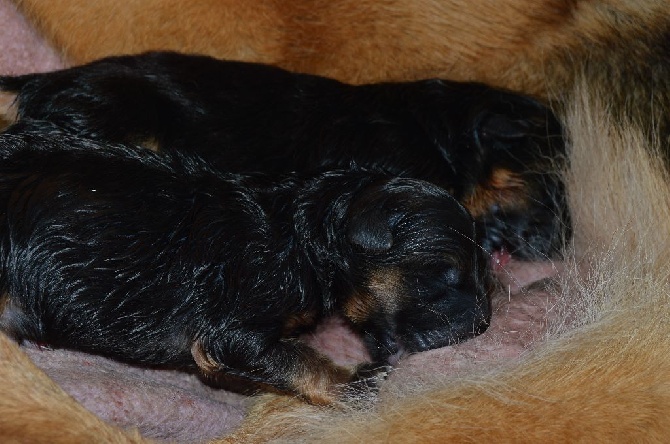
371, 231
511, 118
503, 127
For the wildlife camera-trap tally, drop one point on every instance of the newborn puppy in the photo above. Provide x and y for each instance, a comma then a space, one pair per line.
162, 260
498, 153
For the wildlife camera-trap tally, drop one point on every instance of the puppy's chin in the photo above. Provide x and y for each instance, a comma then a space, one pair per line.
420, 341
526, 236
394, 359
412, 348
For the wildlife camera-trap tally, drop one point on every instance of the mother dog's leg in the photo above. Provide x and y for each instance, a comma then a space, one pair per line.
34, 409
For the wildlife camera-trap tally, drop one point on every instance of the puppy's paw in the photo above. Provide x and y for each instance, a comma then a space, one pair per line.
366, 381
372, 373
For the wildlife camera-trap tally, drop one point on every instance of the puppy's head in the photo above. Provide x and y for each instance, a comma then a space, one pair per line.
503, 158
516, 193
418, 281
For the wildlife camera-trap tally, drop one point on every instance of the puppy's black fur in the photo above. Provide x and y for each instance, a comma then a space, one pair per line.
160, 259
497, 152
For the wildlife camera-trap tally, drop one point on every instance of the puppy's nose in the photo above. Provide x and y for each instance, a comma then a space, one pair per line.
389, 345
481, 327
479, 317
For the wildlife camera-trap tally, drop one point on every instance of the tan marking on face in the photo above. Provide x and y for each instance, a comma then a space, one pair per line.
503, 187
150, 144
297, 321
359, 307
502, 178
386, 288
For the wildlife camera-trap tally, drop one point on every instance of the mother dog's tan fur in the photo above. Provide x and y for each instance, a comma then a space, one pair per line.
510, 43
604, 377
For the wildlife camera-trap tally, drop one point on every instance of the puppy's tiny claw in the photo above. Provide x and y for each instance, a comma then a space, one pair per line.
202, 359
366, 380
373, 371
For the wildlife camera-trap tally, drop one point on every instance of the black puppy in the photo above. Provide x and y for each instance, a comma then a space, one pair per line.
159, 259
498, 153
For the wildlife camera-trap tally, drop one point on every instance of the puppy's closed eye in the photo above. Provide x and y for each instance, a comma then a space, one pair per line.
453, 276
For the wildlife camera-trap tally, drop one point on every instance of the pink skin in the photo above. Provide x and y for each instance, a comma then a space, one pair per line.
499, 259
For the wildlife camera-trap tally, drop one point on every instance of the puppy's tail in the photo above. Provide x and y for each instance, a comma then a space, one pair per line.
15, 83
9, 144
10, 88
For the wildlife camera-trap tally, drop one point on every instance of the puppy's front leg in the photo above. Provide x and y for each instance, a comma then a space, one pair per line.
288, 365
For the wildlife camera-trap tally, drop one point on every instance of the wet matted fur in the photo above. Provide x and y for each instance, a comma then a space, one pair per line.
161, 260
496, 152
606, 379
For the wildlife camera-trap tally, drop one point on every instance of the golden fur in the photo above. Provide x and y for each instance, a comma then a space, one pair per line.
509, 43
35, 409
604, 375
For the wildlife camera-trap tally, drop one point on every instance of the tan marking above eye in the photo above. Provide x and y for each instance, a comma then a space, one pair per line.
502, 178
9, 110
387, 289
359, 307
298, 320
150, 144
503, 187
